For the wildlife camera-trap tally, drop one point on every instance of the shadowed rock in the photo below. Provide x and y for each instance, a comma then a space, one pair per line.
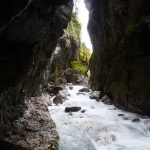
29, 30
121, 58
58, 99
136, 120
9, 146
106, 100
72, 109
70, 87
84, 90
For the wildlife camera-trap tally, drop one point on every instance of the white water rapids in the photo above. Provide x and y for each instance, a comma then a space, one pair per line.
100, 127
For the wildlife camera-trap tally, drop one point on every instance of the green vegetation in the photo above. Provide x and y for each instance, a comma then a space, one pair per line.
74, 28
84, 53
82, 64
78, 67
89, 74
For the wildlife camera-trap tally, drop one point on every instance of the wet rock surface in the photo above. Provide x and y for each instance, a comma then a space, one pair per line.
58, 99
84, 90
95, 95
136, 120
55, 89
120, 34
35, 130
72, 109
106, 100
70, 87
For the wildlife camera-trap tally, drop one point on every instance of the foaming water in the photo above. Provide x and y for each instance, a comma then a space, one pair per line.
100, 127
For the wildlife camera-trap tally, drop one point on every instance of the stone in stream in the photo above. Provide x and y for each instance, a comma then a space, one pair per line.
72, 109
59, 99
79, 93
121, 115
95, 95
84, 90
106, 100
125, 118
64, 93
136, 120
83, 111
70, 87
55, 89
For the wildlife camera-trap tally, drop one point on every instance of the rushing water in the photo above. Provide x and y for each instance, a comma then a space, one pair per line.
100, 127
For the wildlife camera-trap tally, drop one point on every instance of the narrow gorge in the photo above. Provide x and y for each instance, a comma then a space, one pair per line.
58, 92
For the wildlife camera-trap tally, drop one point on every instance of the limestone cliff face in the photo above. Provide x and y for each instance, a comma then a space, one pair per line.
29, 30
120, 33
66, 51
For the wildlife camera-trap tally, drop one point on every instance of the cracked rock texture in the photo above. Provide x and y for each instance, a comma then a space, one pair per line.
35, 130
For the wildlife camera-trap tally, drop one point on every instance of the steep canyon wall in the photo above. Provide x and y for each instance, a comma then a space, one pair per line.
120, 64
29, 30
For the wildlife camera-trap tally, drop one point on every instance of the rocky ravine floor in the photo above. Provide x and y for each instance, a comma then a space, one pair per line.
100, 127
35, 130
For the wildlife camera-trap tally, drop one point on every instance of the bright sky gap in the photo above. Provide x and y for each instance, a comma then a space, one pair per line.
83, 15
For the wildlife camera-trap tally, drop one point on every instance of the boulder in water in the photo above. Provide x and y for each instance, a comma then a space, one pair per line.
64, 93
121, 115
106, 100
70, 87
55, 90
83, 111
136, 120
59, 99
95, 95
72, 109
84, 90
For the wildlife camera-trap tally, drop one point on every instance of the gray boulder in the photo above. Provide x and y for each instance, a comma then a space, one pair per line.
72, 109
95, 95
59, 99
84, 90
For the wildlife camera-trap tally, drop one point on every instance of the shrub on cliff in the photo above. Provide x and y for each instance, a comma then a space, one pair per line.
78, 66
81, 65
81, 62
84, 53
74, 28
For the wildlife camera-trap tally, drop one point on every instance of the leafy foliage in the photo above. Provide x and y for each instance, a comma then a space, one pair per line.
89, 74
85, 53
73, 31
78, 67
81, 65
74, 28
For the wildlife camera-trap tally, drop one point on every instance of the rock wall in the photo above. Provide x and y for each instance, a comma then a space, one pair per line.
120, 34
67, 50
29, 30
